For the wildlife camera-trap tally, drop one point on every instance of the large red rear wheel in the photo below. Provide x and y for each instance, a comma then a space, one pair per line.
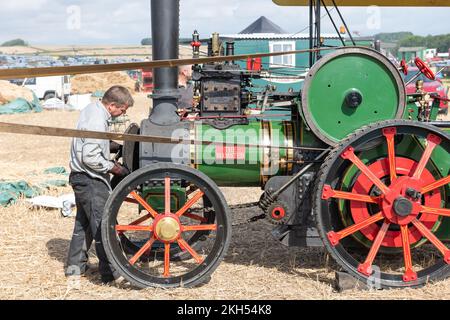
397, 202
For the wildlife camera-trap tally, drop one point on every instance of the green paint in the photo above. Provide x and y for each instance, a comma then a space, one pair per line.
155, 197
243, 166
326, 95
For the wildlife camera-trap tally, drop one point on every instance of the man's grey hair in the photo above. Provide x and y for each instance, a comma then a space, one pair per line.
119, 95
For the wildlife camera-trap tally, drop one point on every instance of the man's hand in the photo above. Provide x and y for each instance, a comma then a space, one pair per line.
119, 170
114, 147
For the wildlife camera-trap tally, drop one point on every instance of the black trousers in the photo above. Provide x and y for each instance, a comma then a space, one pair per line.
90, 196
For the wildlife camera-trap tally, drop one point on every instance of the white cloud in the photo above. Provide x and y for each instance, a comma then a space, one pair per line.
127, 22
22, 5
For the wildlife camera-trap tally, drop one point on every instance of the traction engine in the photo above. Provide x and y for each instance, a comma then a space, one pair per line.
345, 163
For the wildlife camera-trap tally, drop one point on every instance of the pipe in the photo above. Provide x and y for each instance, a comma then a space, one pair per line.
378, 45
215, 44
311, 32
230, 50
165, 35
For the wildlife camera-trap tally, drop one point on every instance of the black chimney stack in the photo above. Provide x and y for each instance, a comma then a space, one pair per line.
165, 40
164, 120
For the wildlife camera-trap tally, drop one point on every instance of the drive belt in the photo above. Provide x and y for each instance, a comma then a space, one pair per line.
73, 133
20, 73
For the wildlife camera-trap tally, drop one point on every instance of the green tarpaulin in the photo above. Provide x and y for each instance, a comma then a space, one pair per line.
21, 105
53, 183
11, 191
56, 170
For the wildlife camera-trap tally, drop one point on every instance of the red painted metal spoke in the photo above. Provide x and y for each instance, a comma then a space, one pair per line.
335, 237
167, 195
436, 184
328, 192
433, 239
141, 251
432, 142
202, 227
185, 246
141, 219
390, 133
366, 266
409, 274
133, 228
190, 203
195, 217
436, 211
166, 260
143, 203
350, 155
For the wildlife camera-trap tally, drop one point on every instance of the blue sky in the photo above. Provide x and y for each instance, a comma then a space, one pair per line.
127, 22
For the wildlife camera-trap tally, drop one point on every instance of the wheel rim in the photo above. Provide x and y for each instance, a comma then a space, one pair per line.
403, 218
161, 238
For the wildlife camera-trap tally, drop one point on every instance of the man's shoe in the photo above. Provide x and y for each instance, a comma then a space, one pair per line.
77, 271
107, 278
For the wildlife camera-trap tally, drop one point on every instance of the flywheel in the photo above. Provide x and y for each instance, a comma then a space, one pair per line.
351, 88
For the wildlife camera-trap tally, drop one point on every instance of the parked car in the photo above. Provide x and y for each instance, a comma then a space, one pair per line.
432, 86
147, 80
47, 87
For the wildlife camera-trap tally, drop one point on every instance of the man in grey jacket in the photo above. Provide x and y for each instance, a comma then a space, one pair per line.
90, 168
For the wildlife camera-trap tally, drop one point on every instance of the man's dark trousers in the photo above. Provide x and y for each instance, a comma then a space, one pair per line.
90, 196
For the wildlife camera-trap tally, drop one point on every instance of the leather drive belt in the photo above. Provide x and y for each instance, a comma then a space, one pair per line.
73, 133
73, 70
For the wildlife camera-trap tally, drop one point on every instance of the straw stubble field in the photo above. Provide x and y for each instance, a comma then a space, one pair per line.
34, 243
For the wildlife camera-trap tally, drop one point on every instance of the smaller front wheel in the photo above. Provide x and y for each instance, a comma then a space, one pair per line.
166, 225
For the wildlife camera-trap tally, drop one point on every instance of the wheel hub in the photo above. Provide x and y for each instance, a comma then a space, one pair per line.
402, 207
404, 186
397, 206
167, 228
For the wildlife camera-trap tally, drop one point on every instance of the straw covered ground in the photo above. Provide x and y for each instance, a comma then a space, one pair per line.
34, 243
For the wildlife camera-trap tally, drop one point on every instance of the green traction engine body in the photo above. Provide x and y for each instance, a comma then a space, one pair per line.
351, 163
269, 136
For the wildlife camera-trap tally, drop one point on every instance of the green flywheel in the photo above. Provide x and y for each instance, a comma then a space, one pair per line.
348, 89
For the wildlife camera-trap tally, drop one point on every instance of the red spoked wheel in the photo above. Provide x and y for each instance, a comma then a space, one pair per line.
426, 71
166, 225
397, 198
404, 67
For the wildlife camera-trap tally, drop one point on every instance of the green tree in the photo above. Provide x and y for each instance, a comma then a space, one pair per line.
146, 41
392, 36
15, 42
441, 42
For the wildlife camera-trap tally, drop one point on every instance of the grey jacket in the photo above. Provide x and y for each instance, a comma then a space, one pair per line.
92, 156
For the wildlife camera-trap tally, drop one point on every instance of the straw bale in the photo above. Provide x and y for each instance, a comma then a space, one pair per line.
10, 91
89, 83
